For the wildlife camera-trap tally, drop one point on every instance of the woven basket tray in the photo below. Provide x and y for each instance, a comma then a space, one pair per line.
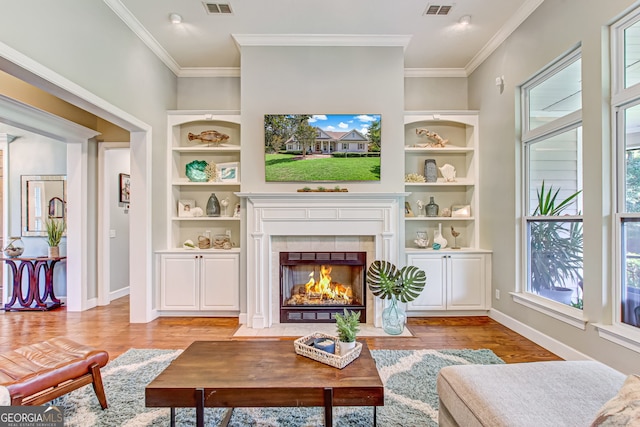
336, 360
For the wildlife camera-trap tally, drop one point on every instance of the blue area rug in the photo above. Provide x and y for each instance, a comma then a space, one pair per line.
409, 377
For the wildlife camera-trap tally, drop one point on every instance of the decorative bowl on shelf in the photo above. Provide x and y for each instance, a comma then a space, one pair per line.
196, 172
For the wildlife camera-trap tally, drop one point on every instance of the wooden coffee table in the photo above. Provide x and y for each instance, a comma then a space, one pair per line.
255, 374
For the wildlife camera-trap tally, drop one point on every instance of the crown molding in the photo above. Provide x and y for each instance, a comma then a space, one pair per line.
509, 27
374, 40
434, 72
209, 72
127, 17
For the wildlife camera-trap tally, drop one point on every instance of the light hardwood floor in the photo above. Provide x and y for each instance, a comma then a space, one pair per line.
108, 328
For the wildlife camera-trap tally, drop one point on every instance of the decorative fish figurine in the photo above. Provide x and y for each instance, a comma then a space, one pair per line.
209, 137
448, 172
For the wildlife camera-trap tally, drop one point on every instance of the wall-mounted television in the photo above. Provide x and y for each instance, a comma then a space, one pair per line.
322, 147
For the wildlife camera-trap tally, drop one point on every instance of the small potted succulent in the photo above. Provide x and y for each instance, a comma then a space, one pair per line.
348, 325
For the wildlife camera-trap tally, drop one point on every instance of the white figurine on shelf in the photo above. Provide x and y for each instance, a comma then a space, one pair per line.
225, 203
420, 205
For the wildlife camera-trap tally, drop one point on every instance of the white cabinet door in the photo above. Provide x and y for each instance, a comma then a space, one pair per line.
220, 281
466, 284
433, 295
179, 282
455, 281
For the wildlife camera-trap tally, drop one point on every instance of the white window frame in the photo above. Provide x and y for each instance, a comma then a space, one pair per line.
562, 312
621, 99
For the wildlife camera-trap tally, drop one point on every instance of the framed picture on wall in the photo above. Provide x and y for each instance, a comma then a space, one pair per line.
125, 188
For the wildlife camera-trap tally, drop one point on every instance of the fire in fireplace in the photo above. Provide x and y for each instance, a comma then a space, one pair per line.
316, 285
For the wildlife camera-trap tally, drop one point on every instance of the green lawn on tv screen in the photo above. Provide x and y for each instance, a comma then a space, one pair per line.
288, 167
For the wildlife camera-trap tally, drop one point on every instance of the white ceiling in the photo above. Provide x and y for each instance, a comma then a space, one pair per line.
438, 44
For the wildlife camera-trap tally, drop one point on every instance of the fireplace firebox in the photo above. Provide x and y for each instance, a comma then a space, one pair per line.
314, 286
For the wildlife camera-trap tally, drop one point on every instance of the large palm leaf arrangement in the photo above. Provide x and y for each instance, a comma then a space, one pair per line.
386, 281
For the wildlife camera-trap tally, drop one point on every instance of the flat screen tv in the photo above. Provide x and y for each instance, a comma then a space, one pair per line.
322, 147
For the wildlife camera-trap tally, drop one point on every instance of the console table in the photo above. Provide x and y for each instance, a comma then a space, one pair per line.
33, 300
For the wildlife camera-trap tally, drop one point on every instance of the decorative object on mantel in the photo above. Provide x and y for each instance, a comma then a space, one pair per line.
336, 189
448, 172
430, 170
432, 208
414, 177
213, 206
455, 235
209, 137
304, 347
195, 171
387, 282
55, 229
14, 248
437, 237
437, 140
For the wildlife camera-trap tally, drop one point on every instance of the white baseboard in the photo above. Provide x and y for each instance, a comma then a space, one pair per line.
123, 292
91, 303
551, 344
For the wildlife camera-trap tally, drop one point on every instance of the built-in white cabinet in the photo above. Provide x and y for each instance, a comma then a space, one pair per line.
456, 280
200, 282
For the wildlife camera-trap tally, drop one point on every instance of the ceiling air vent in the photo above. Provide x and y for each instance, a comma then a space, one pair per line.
217, 8
434, 9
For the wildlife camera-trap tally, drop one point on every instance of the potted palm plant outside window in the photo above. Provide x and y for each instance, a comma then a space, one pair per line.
555, 247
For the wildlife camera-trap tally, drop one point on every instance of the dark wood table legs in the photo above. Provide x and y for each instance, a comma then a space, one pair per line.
35, 268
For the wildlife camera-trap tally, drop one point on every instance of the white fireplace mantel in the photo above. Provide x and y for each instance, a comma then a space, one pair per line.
269, 215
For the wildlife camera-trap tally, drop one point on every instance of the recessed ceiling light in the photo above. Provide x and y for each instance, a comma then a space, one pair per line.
465, 20
175, 18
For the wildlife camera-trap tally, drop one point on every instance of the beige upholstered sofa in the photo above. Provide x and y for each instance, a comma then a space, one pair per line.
565, 393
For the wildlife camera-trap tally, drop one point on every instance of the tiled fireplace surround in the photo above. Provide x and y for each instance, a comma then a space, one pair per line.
276, 222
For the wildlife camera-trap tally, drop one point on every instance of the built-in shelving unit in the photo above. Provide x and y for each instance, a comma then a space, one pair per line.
458, 280
183, 151
461, 131
200, 281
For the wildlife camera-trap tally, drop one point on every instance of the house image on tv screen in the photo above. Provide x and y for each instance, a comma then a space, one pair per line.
322, 147
329, 142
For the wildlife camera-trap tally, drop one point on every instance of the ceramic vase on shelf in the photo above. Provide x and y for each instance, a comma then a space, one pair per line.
430, 170
393, 318
213, 206
437, 237
432, 208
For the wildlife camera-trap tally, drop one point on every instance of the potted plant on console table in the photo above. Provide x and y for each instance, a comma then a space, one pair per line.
348, 325
55, 229
387, 282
